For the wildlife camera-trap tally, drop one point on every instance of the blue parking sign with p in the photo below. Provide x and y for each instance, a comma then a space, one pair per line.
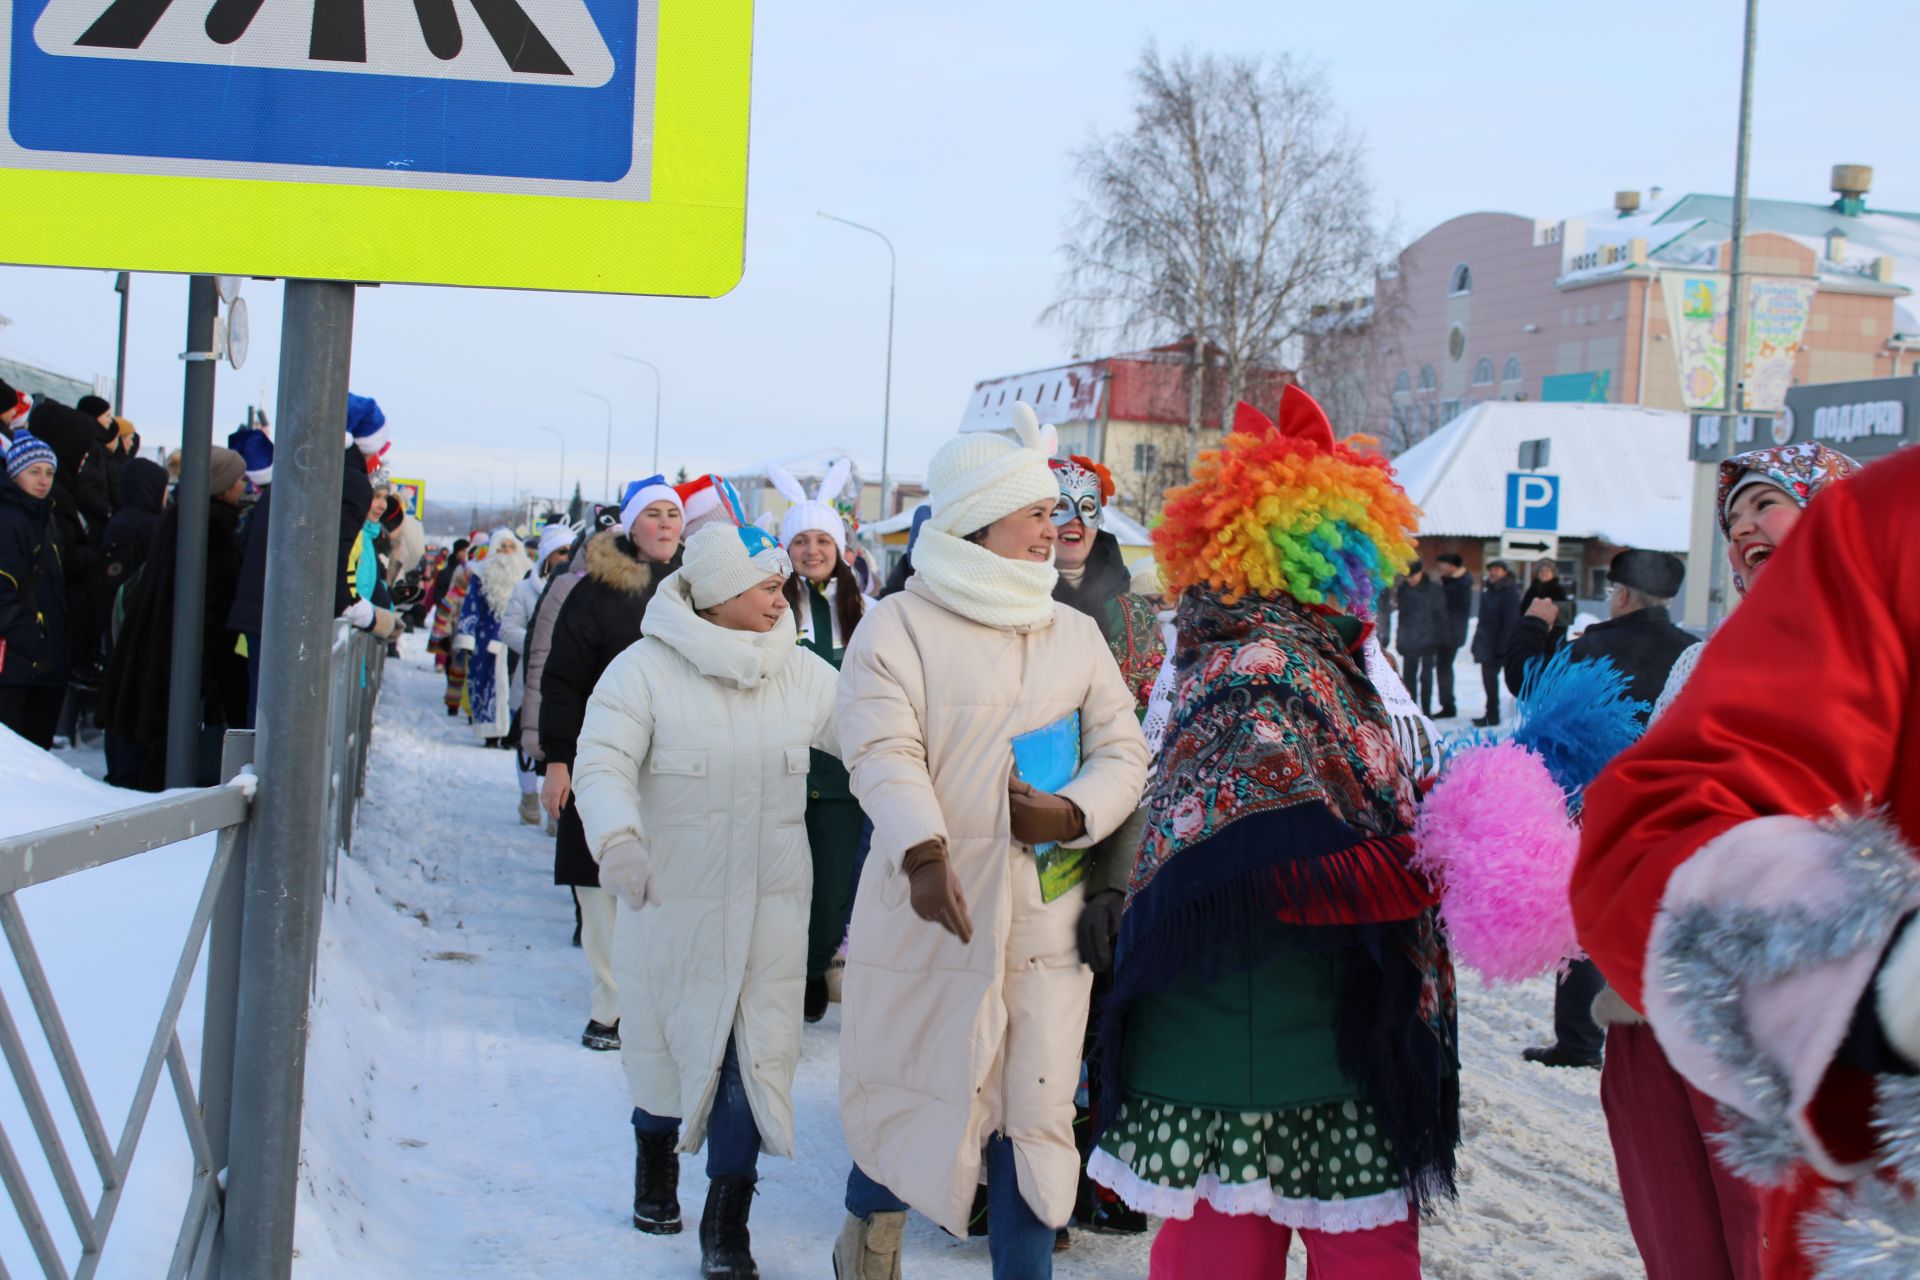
492, 95
1533, 501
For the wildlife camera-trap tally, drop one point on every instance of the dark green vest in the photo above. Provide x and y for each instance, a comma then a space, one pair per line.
826, 776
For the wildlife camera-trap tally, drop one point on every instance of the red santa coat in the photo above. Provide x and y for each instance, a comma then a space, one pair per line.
1804, 709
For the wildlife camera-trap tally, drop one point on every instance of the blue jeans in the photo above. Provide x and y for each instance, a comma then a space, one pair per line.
733, 1140
1020, 1245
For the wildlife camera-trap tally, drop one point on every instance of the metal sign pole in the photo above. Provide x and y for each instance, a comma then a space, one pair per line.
280, 936
190, 561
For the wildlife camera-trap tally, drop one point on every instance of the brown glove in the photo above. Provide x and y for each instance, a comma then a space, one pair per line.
935, 890
1041, 817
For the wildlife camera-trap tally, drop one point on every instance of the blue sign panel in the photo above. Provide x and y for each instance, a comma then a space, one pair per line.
468, 90
1533, 501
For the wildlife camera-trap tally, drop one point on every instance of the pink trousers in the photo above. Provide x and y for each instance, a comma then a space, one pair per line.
1215, 1246
1691, 1219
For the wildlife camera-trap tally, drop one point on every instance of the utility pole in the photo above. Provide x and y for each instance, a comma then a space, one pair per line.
190, 558
1736, 363
122, 285
886, 409
287, 853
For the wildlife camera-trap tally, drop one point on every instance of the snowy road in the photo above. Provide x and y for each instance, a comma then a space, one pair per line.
456, 1128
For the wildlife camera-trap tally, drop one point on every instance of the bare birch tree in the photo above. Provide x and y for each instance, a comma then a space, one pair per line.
1236, 202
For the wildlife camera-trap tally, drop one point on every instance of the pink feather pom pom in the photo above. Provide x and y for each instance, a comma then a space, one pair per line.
1494, 835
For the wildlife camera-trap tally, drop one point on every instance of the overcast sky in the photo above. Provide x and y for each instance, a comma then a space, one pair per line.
951, 130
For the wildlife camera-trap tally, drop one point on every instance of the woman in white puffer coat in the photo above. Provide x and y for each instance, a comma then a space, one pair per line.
965, 998
691, 785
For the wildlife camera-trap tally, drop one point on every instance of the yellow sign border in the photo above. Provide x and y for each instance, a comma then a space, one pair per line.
689, 239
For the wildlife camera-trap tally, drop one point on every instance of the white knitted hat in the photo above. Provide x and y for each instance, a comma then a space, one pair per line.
978, 477
722, 560
815, 514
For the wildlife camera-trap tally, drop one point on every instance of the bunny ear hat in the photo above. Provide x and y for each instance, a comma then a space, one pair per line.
816, 514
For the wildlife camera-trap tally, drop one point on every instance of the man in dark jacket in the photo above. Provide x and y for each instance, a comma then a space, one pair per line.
1641, 640
1458, 589
1422, 607
1499, 617
33, 614
143, 490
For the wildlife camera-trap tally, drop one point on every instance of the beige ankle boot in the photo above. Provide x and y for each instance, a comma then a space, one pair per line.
869, 1248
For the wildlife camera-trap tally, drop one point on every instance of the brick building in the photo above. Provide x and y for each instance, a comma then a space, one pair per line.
1629, 306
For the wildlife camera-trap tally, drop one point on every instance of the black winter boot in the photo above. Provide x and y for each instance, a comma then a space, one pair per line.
724, 1251
814, 1002
656, 1183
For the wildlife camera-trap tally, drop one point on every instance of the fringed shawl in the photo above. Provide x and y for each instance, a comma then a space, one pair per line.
1281, 814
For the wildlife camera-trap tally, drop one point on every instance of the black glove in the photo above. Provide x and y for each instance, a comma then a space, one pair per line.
1098, 926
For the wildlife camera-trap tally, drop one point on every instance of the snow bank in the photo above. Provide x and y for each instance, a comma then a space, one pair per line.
109, 939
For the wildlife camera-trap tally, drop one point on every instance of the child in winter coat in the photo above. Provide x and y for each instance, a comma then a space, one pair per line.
33, 615
965, 997
691, 785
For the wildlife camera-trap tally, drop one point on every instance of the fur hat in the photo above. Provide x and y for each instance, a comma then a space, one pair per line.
722, 561
642, 494
1653, 573
26, 450
979, 477
504, 536
816, 514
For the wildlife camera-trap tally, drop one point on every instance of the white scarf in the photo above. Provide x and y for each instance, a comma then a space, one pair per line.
975, 583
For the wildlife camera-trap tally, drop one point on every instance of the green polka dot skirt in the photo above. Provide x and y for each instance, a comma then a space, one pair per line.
1325, 1166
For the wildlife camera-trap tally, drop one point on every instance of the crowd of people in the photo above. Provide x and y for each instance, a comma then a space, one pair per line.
89, 546
1122, 902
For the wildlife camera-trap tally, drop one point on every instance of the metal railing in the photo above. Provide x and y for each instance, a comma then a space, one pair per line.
37, 857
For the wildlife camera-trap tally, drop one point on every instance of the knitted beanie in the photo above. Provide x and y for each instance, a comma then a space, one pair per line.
225, 468
642, 494
26, 450
978, 477
723, 560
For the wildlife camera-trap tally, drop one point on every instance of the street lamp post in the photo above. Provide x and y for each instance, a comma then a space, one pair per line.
656, 403
513, 498
606, 476
557, 434
886, 412
491, 502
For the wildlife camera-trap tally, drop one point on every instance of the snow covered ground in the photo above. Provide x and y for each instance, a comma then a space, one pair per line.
456, 1128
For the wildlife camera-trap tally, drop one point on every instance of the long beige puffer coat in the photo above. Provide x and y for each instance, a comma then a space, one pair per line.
944, 1044
696, 742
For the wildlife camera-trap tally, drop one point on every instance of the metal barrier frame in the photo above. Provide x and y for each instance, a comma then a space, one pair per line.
38, 857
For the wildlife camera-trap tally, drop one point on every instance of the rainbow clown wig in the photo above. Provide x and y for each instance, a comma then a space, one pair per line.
1288, 510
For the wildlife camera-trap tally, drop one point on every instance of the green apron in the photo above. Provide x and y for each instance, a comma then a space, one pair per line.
833, 819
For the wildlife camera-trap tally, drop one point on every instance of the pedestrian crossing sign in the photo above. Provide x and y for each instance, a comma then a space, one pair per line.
595, 145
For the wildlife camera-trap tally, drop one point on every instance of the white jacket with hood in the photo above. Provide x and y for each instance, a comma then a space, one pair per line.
696, 743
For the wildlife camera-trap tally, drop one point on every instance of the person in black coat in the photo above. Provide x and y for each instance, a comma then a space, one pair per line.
143, 491
140, 676
601, 616
1422, 609
1641, 639
1458, 589
33, 612
1499, 618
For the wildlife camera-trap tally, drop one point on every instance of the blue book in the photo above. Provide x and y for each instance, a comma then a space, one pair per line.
1047, 759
